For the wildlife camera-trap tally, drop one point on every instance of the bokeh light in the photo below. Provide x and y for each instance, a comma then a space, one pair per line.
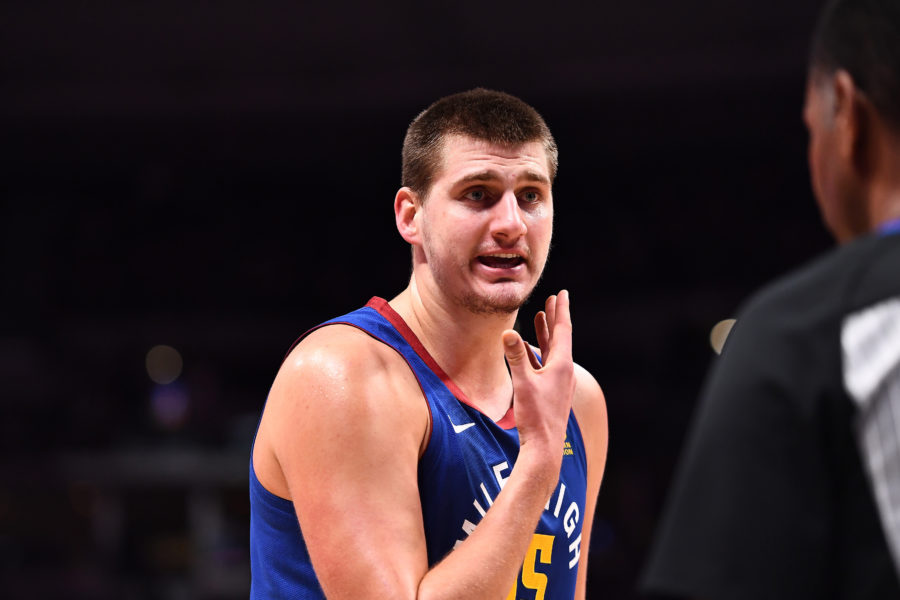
163, 364
170, 405
719, 334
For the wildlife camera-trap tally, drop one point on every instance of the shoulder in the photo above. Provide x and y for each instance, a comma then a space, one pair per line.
589, 400
822, 283
797, 317
589, 406
342, 367
338, 382
792, 323
336, 353
877, 277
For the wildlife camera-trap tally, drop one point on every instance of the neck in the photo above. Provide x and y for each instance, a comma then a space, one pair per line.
465, 344
886, 211
884, 186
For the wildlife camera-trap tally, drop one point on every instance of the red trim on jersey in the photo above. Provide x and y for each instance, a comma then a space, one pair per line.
508, 421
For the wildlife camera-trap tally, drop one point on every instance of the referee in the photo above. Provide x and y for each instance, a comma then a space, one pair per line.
789, 486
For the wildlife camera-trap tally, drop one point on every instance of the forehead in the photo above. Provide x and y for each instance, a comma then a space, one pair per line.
461, 154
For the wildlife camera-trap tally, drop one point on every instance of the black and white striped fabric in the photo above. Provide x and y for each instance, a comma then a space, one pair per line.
870, 342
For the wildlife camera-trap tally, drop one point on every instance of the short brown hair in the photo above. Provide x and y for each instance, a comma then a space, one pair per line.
487, 115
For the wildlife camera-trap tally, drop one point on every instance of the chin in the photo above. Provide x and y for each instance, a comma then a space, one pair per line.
499, 303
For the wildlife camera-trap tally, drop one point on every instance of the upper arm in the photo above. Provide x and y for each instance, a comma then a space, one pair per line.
344, 422
589, 405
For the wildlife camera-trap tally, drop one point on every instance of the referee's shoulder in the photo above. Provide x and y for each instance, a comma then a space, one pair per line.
823, 280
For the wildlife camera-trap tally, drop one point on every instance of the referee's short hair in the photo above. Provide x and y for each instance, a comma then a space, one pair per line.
862, 37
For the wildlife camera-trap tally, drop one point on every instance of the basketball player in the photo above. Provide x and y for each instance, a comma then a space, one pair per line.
789, 484
418, 447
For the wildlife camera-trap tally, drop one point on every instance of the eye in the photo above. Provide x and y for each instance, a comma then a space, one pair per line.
476, 195
530, 197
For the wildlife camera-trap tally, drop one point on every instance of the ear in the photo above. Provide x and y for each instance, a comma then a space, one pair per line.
853, 122
407, 207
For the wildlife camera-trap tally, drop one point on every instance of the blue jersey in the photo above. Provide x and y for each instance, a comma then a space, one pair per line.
467, 461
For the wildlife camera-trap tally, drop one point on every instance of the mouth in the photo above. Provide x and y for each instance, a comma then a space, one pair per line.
501, 261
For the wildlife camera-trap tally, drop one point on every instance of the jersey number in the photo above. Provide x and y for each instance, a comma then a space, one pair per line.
540, 550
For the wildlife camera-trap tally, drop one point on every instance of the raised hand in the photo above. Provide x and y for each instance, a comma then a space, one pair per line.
543, 393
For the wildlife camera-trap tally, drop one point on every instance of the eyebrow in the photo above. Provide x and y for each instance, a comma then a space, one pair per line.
491, 175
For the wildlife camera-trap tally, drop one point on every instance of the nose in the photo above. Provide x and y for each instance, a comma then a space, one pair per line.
507, 221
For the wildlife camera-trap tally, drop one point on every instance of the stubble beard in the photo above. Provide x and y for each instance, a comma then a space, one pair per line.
504, 301
494, 304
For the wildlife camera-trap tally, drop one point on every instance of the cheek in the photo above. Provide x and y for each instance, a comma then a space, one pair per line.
541, 225
818, 170
826, 183
812, 158
446, 239
435, 226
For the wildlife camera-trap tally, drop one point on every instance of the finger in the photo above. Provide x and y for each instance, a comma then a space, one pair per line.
561, 327
516, 352
542, 332
550, 309
533, 359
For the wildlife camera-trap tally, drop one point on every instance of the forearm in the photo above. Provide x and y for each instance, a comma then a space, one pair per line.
487, 563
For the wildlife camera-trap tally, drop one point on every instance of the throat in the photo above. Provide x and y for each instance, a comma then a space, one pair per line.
494, 403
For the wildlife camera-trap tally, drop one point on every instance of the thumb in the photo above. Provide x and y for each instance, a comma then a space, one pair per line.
515, 350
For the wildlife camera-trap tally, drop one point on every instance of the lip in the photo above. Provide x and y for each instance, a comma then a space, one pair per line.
512, 252
483, 262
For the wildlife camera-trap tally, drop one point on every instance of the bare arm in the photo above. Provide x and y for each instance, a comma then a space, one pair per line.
590, 411
341, 437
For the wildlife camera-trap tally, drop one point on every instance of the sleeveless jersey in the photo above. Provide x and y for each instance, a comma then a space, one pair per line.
465, 465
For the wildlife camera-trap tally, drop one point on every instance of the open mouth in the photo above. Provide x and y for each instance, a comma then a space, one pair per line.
501, 261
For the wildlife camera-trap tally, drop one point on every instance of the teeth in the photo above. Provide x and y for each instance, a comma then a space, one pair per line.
504, 255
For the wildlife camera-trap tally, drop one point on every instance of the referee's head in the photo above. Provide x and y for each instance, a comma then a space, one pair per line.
852, 112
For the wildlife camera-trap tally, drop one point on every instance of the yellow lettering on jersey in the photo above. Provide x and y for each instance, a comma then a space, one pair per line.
541, 549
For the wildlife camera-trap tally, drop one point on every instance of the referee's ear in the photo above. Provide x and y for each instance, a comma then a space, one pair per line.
407, 207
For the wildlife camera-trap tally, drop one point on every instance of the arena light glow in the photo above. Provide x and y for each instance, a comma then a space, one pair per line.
719, 334
163, 364
170, 405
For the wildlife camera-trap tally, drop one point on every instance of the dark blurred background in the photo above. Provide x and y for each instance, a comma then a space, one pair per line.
216, 177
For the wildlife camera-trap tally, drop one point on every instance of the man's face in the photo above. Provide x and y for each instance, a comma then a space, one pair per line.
486, 223
831, 172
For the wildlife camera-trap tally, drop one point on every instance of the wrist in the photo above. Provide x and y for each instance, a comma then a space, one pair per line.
539, 463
